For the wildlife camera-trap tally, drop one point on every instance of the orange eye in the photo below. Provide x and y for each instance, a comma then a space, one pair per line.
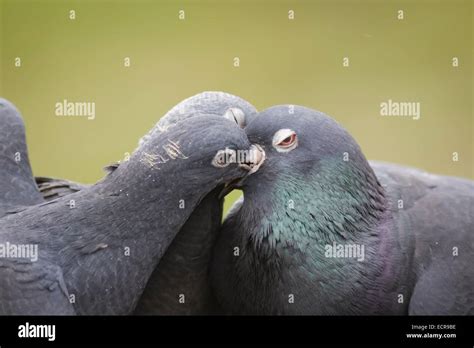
288, 141
285, 140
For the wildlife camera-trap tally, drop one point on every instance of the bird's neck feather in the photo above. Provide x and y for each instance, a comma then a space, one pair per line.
148, 209
339, 203
124, 213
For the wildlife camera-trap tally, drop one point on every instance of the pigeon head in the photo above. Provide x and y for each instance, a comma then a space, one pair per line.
199, 150
298, 141
313, 168
230, 106
314, 189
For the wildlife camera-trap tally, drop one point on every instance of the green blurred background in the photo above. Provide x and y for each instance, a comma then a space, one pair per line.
281, 61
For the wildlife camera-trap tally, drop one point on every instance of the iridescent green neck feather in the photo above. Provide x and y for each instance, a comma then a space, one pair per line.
337, 202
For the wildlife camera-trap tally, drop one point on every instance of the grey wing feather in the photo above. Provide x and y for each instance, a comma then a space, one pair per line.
33, 288
437, 215
17, 186
52, 188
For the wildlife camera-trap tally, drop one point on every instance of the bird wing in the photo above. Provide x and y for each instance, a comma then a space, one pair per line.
52, 188
27, 287
32, 288
17, 186
437, 217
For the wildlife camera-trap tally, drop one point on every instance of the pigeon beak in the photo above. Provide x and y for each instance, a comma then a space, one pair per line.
254, 160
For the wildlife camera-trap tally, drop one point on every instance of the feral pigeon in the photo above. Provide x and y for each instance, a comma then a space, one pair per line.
92, 252
180, 285
322, 231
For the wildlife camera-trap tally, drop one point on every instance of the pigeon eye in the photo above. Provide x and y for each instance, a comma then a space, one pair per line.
285, 140
288, 140
236, 115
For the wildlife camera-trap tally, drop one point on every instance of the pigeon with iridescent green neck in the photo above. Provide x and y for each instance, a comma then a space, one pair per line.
321, 231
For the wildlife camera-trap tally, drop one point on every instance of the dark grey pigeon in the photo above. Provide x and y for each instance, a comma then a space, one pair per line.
93, 251
321, 231
17, 186
180, 284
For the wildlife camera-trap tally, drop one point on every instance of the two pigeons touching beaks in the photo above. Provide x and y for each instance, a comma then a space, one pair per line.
318, 231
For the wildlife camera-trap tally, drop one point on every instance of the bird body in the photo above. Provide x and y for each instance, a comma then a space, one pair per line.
320, 229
